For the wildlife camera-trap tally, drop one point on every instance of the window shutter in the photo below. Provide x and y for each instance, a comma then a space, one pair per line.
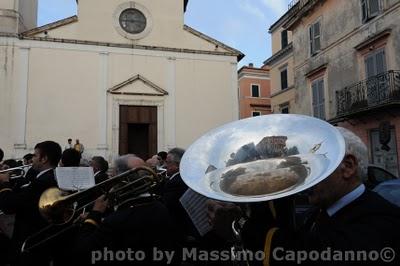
318, 96
364, 9
311, 40
321, 94
284, 39
373, 8
317, 36
380, 62
314, 88
369, 66
284, 81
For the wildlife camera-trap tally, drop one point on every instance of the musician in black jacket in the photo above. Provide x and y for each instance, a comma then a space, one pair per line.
348, 218
24, 203
174, 187
173, 190
142, 224
100, 168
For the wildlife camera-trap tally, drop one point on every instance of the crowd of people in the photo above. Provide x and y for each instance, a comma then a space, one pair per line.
347, 217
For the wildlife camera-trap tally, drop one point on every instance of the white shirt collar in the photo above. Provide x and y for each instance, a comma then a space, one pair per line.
345, 200
95, 174
43, 172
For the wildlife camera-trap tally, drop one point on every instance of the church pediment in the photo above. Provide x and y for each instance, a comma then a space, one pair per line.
138, 85
116, 24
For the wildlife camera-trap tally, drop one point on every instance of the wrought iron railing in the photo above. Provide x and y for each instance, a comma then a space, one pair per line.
293, 3
378, 90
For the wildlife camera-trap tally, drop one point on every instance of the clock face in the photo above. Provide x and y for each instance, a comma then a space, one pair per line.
132, 20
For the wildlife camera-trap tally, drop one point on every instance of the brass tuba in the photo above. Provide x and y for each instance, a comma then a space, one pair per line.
262, 158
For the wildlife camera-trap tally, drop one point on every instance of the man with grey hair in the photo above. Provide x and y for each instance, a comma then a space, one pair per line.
346, 179
173, 190
141, 224
127, 162
348, 218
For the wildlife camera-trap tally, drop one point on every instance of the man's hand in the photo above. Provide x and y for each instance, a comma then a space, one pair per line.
101, 204
221, 215
4, 167
4, 178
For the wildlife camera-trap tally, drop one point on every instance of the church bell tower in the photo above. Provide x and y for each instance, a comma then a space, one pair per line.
17, 16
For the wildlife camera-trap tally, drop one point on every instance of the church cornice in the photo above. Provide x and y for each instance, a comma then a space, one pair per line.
129, 46
50, 26
217, 44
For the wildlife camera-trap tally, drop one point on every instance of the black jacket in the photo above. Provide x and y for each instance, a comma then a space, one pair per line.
141, 227
24, 204
369, 223
100, 177
173, 190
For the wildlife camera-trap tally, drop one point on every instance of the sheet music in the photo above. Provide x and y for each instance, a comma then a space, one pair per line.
195, 205
75, 178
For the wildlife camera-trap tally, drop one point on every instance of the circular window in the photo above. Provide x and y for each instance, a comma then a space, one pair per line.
132, 21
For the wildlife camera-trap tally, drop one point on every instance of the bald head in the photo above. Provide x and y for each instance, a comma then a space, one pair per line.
127, 162
152, 162
135, 162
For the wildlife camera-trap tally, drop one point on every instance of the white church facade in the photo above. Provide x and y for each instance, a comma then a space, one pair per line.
121, 76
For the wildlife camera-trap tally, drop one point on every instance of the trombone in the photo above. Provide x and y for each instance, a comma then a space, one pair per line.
17, 172
60, 208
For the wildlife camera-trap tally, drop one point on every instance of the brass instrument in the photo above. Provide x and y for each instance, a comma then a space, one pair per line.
17, 172
262, 158
60, 208
161, 170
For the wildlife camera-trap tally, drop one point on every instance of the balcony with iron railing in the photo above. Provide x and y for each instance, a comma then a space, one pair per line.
376, 92
293, 3
297, 9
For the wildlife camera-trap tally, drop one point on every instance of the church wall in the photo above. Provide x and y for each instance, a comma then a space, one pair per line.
28, 12
98, 25
6, 77
51, 89
206, 98
62, 96
66, 95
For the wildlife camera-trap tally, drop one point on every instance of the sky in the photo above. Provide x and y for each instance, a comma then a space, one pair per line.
241, 24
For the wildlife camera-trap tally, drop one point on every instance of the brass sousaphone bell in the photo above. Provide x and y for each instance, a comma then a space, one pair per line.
262, 158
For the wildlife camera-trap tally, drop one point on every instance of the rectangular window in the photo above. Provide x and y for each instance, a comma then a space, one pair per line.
256, 113
315, 38
318, 98
369, 9
285, 109
255, 90
284, 79
375, 63
377, 89
284, 39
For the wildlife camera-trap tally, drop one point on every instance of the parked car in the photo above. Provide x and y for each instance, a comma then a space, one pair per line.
377, 175
390, 190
